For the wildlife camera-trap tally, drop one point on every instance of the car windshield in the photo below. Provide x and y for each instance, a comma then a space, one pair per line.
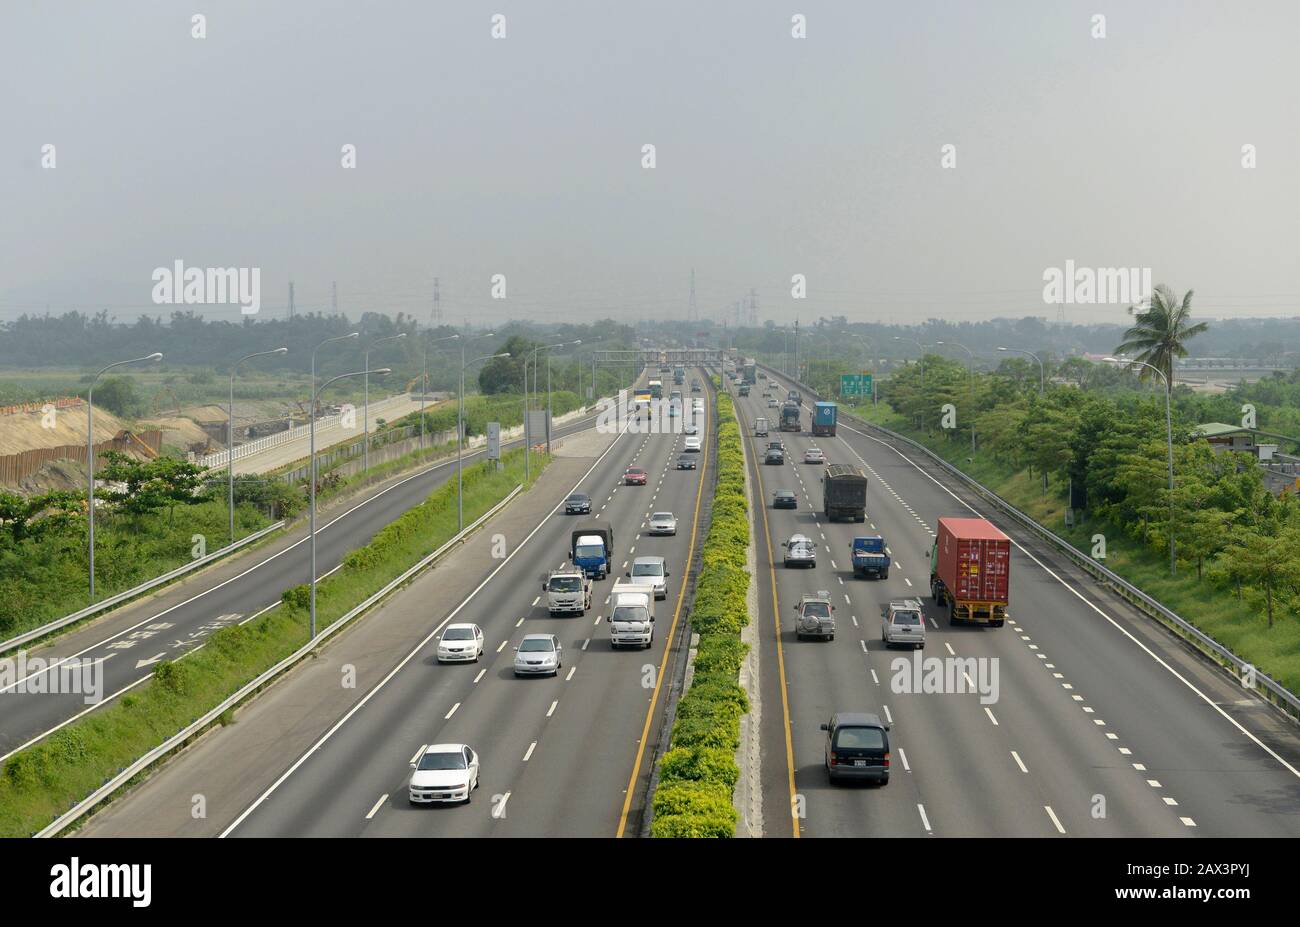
860, 738
536, 645
459, 634
911, 619
577, 497
590, 550
647, 569
785, 494
443, 761
565, 584
803, 547
816, 610
629, 613
663, 516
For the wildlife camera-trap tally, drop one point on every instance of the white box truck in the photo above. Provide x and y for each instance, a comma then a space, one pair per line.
631, 614
760, 427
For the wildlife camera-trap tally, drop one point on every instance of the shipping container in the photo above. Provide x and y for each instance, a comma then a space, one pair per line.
970, 571
844, 493
825, 416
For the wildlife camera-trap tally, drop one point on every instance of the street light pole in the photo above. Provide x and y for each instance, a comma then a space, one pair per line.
230, 434
365, 466
549, 405
311, 410
424, 382
1042, 377
460, 432
1169, 437
90, 455
970, 371
312, 531
920, 347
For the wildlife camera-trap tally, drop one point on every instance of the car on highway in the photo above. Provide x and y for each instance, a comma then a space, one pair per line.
903, 624
799, 551
771, 402
785, 499
538, 655
695, 386
460, 643
857, 747
686, 462
579, 503
690, 429
443, 773
691, 443
816, 616
635, 476
774, 455
663, 523
814, 455
651, 571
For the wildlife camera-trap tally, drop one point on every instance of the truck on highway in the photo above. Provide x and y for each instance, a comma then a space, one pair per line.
679, 375
632, 614
568, 591
590, 547
790, 417
970, 571
656, 389
760, 427
825, 415
844, 493
869, 556
749, 372
744, 389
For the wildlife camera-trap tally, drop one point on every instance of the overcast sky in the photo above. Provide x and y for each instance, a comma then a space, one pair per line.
775, 156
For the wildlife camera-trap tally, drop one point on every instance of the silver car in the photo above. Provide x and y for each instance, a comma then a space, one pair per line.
902, 623
663, 523
800, 550
538, 655
651, 570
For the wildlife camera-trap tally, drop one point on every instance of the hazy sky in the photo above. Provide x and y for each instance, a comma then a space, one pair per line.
775, 156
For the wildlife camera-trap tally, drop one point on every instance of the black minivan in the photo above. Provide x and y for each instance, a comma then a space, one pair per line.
857, 747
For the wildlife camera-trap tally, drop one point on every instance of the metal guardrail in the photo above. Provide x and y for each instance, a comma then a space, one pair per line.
135, 591
1276, 693
79, 810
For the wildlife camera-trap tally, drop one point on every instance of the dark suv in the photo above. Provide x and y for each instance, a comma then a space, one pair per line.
578, 504
857, 747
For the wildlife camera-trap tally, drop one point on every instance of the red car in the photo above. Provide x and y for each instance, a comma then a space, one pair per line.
635, 476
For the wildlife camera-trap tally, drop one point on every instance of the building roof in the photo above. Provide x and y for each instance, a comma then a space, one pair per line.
1219, 429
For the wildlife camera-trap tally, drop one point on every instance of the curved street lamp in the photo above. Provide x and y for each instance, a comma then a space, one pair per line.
1042, 378
365, 402
460, 431
230, 434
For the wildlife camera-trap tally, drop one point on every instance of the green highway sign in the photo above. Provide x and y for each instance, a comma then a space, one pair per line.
855, 384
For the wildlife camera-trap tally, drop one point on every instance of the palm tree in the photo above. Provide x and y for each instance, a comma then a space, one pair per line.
1161, 332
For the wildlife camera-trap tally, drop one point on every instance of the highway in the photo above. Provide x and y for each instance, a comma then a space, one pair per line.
176, 620
1103, 725
560, 756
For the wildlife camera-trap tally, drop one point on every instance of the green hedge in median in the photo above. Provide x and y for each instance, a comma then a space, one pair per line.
40, 782
698, 773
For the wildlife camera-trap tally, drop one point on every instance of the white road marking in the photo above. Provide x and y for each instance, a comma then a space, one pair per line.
1055, 819
550, 711
903, 757
447, 716
379, 804
988, 712
531, 747
1019, 762
481, 674
925, 822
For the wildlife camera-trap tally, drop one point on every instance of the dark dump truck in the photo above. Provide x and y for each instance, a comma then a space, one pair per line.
844, 493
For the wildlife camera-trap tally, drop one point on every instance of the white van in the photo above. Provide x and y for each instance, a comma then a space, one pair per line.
760, 427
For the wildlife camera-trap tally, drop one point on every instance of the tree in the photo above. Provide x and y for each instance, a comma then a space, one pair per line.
1162, 332
150, 485
1270, 562
119, 396
506, 374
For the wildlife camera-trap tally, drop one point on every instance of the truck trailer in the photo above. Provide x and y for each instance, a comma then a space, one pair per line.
790, 417
970, 571
825, 417
844, 493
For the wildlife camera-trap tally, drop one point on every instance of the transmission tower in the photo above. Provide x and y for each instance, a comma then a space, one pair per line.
437, 305
290, 299
334, 297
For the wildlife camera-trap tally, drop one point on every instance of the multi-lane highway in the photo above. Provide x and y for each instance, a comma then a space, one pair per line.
1102, 725
181, 617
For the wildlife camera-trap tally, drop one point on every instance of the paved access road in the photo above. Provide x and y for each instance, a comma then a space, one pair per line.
1104, 724
563, 756
181, 617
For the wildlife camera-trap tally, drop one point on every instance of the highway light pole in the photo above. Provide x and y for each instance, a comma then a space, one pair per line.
1042, 376
970, 371
365, 402
230, 434
460, 431
547, 348
90, 454
424, 381
311, 410
312, 430
920, 347
1169, 437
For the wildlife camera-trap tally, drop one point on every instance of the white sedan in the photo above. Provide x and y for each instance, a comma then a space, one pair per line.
691, 443
444, 773
460, 643
663, 523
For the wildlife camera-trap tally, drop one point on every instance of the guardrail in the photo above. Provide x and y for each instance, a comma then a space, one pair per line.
133, 592
79, 810
1270, 688
256, 446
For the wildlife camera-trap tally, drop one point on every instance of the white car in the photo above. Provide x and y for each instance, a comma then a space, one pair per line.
444, 773
460, 643
814, 455
663, 523
690, 429
652, 571
691, 443
538, 655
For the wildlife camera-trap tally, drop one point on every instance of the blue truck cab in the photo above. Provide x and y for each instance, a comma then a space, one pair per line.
590, 549
869, 556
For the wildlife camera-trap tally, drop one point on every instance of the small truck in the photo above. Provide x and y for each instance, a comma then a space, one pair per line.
869, 556
590, 548
631, 615
816, 616
568, 591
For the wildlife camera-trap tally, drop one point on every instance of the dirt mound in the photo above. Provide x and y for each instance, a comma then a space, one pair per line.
177, 430
57, 474
25, 431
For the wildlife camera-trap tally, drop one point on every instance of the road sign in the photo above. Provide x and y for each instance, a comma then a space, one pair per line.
494, 440
855, 384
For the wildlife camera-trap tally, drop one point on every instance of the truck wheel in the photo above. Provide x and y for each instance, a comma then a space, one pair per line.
884, 574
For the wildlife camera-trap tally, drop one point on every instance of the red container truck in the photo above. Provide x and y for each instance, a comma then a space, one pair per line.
970, 571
